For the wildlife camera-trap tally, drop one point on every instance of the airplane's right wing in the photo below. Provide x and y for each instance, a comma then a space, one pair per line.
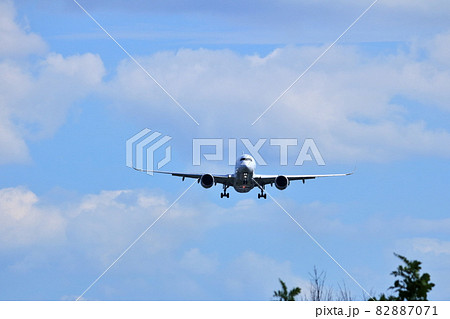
221, 179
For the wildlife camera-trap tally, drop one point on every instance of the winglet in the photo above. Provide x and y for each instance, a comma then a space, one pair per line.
150, 171
352, 172
354, 169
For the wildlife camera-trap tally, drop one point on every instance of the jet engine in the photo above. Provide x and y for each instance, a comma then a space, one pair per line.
281, 182
207, 180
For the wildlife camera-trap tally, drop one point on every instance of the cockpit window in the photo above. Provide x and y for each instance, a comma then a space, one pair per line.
246, 159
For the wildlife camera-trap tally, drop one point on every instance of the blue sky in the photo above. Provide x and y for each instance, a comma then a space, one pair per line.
70, 98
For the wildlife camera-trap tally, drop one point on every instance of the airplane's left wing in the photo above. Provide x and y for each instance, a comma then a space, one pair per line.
270, 179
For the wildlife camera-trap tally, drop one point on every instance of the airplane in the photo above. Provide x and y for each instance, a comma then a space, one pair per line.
244, 178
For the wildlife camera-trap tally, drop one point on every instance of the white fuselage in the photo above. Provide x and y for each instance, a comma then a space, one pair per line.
244, 169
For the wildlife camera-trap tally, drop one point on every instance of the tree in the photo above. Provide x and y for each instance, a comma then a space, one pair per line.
318, 291
344, 293
411, 286
284, 294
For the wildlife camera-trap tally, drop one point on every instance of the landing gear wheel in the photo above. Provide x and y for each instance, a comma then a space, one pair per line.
225, 194
262, 195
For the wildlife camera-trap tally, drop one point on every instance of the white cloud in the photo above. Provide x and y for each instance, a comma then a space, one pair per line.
419, 6
95, 229
248, 6
440, 49
347, 102
92, 231
12, 147
39, 104
431, 246
252, 275
35, 106
198, 263
275, 22
16, 42
24, 222
36, 93
418, 226
111, 220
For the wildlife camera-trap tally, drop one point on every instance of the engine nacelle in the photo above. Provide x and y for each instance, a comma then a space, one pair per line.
207, 180
281, 182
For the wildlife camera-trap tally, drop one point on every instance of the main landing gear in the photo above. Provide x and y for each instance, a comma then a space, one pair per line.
262, 194
225, 193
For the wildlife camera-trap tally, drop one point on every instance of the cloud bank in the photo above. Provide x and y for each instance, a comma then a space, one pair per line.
173, 261
37, 87
355, 105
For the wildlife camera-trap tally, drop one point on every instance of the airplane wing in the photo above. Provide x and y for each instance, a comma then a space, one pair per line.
222, 179
270, 179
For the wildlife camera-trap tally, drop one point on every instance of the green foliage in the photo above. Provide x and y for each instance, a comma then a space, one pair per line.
384, 298
284, 294
411, 286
